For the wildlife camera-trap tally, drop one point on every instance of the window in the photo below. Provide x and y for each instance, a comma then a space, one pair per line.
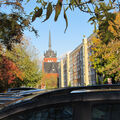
50, 113
106, 112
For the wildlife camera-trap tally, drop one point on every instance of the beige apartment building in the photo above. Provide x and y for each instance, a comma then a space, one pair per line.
76, 68
60, 71
91, 71
64, 73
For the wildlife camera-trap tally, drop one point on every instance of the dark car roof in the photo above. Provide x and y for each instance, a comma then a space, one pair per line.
16, 94
63, 95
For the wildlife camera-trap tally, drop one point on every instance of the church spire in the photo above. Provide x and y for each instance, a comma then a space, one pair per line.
50, 53
49, 40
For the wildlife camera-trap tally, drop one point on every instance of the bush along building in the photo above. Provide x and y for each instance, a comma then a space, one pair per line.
50, 68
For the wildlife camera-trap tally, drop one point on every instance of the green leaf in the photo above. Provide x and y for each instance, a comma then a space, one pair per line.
44, 3
96, 9
58, 9
31, 13
94, 26
39, 1
37, 14
89, 10
110, 2
66, 20
49, 11
72, 4
113, 1
33, 18
36, 8
92, 19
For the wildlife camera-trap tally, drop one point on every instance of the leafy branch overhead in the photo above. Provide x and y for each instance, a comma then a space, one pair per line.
12, 27
49, 8
100, 11
49, 11
16, 3
13, 24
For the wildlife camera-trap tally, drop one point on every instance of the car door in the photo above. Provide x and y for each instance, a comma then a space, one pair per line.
51, 112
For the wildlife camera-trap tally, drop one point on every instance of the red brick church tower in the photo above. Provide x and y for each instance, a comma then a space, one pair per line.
50, 68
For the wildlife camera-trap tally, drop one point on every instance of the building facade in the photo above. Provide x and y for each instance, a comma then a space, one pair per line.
80, 71
64, 69
76, 66
91, 71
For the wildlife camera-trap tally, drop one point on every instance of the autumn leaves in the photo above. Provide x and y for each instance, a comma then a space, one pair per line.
38, 12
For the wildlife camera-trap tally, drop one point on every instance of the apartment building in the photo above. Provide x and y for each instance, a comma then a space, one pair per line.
64, 73
91, 71
76, 67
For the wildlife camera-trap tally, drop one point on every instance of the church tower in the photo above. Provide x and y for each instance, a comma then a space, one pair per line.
50, 67
50, 56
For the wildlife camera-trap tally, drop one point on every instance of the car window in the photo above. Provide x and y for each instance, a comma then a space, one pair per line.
63, 112
106, 112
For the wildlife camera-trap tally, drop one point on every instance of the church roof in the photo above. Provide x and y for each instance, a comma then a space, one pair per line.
50, 53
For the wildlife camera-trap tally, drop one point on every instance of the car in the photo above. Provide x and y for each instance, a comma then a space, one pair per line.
15, 94
100, 102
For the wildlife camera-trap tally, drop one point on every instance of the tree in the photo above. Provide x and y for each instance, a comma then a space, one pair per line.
105, 57
10, 75
26, 63
49, 81
13, 24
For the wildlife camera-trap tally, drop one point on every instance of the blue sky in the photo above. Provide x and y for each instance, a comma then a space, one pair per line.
61, 42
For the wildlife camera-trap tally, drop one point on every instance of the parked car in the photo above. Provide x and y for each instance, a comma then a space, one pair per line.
74, 103
17, 94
